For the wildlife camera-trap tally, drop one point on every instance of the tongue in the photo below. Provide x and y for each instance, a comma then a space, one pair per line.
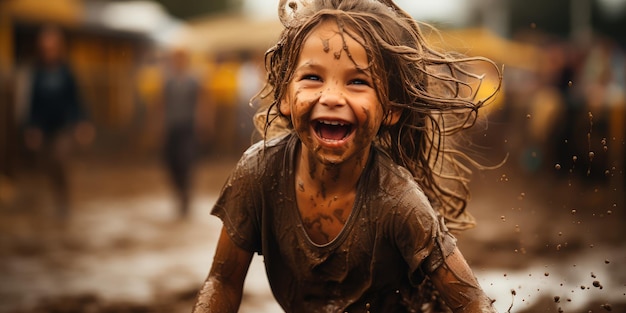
333, 132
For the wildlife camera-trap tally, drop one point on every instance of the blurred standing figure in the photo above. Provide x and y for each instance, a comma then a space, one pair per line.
249, 82
55, 114
181, 94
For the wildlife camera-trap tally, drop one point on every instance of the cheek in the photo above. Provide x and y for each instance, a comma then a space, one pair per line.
304, 99
302, 105
367, 129
302, 115
371, 119
286, 105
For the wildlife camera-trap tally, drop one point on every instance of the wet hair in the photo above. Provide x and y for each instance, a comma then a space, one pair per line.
435, 92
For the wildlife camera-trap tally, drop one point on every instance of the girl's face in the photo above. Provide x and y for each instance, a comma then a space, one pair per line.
331, 98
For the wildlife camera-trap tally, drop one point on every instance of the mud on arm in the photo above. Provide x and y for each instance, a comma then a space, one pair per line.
223, 287
458, 286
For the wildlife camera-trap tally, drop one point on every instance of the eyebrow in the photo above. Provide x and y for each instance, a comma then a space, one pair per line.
317, 66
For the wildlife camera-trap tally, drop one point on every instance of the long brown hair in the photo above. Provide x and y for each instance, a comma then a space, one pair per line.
434, 91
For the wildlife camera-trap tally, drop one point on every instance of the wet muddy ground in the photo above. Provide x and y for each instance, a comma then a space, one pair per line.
543, 243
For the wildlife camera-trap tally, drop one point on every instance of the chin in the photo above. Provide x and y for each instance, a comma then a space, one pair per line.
331, 159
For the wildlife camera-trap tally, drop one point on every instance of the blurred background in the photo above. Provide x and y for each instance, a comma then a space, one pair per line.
105, 199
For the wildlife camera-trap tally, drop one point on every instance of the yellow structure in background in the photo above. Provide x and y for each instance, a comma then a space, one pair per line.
485, 43
234, 33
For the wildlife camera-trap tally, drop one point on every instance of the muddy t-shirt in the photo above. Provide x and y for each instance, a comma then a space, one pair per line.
390, 241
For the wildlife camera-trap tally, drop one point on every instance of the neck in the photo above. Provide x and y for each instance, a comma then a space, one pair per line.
330, 179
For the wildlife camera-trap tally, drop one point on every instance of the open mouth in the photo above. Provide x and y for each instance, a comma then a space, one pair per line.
332, 130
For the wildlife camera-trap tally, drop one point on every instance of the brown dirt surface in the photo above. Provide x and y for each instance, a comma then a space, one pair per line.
124, 249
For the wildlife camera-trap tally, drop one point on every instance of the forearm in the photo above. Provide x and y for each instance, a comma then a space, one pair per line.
463, 293
480, 304
459, 288
223, 288
217, 297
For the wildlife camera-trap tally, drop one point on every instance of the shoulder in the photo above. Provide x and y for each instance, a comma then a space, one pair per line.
395, 180
398, 194
267, 156
273, 148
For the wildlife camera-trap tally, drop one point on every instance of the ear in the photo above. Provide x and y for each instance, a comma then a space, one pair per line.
284, 107
392, 117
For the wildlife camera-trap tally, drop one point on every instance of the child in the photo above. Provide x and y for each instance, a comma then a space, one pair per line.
341, 206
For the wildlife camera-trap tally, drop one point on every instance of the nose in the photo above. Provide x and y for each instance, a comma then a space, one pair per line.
333, 96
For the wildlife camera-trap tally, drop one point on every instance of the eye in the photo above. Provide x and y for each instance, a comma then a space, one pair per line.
312, 77
360, 81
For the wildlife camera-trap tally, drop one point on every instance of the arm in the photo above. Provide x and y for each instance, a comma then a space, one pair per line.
223, 288
458, 286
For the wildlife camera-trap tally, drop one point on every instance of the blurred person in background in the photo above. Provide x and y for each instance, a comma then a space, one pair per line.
181, 94
249, 82
55, 117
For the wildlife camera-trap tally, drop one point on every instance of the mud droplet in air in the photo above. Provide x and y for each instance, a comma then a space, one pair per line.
557, 166
607, 307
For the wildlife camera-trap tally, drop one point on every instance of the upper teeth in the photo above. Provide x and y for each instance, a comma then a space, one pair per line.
334, 123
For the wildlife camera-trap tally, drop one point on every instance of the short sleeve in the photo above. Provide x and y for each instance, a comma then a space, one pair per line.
421, 237
238, 203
